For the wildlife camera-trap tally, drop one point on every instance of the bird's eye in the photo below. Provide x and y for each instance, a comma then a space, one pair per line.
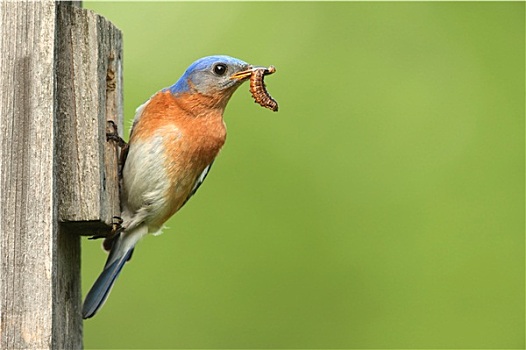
220, 69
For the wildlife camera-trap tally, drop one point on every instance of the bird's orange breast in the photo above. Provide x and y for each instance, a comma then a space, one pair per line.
192, 133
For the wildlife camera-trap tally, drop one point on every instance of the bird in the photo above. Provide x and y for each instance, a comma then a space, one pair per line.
175, 137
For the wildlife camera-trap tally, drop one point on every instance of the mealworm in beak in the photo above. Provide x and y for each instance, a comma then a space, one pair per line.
259, 90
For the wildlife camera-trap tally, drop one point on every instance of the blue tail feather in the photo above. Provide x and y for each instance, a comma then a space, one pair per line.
102, 286
121, 251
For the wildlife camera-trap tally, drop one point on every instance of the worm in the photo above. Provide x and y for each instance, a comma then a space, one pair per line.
259, 91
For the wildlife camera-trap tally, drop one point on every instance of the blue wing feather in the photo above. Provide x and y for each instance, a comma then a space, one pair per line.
199, 181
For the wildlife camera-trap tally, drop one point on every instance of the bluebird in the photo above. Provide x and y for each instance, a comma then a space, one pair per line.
175, 137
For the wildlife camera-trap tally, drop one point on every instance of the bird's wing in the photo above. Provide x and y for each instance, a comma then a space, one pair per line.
200, 179
138, 113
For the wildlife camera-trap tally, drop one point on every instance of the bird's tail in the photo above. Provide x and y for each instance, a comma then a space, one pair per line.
119, 254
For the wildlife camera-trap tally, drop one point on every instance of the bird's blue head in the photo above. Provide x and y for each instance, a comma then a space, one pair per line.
213, 75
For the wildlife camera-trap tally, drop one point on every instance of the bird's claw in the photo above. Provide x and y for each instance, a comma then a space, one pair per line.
116, 227
114, 135
115, 231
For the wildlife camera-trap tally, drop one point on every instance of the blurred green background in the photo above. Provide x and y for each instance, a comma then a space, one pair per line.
381, 207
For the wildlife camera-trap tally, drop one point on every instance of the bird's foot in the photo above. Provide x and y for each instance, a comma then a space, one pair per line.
114, 234
116, 227
114, 135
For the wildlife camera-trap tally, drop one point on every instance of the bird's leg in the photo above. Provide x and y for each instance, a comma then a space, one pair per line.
114, 136
117, 224
115, 229
109, 241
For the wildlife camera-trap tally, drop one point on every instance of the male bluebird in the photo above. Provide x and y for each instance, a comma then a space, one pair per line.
174, 140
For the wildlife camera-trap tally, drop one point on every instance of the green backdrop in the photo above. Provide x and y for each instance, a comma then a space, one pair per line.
381, 207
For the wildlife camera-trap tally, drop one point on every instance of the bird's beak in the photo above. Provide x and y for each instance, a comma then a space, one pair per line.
245, 74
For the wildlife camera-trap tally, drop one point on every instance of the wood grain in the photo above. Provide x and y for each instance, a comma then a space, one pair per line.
58, 175
89, 78
28, 191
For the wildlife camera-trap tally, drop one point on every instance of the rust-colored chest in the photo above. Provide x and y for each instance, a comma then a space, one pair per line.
188, 126
191, 137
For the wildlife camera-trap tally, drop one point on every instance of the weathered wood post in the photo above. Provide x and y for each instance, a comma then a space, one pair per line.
60, 81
